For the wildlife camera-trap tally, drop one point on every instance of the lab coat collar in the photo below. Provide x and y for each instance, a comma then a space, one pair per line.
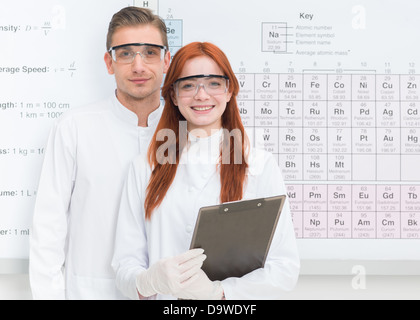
130, 117
212, 138
204, 150
154, 116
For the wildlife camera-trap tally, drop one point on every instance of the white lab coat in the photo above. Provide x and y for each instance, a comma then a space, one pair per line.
86, 162
140, 243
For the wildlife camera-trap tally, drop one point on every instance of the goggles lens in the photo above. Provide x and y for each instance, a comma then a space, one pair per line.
150, 53
212, 84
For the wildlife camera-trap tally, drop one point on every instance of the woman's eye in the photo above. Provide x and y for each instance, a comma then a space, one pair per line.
215, 84
187, 86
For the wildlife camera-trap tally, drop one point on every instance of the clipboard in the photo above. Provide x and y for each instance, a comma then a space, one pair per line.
236, 236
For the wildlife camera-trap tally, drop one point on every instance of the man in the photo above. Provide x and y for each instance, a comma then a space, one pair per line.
86, 162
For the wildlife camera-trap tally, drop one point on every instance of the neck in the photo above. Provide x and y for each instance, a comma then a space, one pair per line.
142, 107
203, 132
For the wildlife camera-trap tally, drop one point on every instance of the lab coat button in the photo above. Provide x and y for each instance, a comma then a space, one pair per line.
189, 228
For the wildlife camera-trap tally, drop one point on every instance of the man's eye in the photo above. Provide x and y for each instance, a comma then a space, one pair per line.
124, 54
151, 52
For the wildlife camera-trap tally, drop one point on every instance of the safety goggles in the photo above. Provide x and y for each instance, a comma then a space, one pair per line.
125, 53
213, 84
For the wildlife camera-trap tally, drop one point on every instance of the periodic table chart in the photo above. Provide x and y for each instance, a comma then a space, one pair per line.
331, 88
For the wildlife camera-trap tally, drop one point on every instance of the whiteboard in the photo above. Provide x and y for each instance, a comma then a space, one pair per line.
331, 88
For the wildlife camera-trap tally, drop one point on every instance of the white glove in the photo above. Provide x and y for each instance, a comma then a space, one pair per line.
202, 288
171, 275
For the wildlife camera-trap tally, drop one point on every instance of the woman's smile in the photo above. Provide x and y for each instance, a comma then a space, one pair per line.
202, 109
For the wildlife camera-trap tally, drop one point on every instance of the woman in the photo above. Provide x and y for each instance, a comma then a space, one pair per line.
199, 156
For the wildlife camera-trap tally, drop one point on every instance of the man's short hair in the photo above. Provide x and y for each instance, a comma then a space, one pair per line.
134, 16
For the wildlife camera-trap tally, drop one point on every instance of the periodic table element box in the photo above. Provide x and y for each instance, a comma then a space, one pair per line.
274, 37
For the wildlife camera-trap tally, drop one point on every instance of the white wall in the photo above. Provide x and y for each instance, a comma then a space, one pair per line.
15, 287
309, 287
342, 288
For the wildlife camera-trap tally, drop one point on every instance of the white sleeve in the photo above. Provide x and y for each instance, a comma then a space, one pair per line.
281, 269
130, 251
49, 226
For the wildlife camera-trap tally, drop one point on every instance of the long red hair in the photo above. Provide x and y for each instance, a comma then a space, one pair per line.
232, 171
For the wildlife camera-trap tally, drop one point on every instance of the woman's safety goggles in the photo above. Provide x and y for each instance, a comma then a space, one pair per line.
213, 84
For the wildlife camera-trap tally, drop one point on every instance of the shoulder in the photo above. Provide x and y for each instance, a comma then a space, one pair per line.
260, 161
91, 110
265, 176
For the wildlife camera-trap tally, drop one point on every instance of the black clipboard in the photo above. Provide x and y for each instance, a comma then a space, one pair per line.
236, 236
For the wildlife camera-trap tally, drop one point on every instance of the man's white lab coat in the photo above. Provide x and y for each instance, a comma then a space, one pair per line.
86, 162
140, 243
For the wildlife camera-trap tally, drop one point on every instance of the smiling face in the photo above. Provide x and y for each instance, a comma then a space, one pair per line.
202, 110
137, 81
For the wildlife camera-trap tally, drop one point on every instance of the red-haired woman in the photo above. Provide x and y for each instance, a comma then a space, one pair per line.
199, 156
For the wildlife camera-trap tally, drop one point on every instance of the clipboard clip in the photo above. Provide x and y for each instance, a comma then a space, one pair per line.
239, 205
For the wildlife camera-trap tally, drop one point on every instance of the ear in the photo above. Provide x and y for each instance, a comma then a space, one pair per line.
166, 61
108, 63
228, 96
173, 97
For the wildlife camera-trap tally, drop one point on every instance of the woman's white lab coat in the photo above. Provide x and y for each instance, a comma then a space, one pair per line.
140, 243
86, 162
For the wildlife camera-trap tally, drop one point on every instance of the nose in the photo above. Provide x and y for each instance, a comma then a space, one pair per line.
201, 92
137, 64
